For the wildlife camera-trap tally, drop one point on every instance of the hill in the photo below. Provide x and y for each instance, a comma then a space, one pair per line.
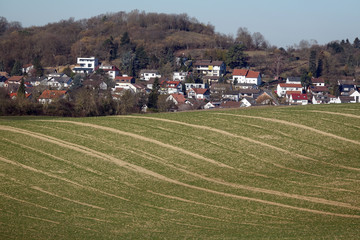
274, 173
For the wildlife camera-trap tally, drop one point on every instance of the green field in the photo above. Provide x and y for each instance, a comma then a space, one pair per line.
259, 173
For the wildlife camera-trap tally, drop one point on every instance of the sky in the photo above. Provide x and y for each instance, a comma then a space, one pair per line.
282, 22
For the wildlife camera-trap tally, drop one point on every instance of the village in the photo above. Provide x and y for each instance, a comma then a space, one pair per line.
206, 89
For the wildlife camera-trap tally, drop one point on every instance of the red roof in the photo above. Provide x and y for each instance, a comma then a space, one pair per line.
14, 95
245, 72
200, 90
52, 94
123, 79
290, 85
296, 96
179, 97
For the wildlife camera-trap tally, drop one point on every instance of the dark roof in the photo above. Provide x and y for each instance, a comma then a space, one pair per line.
208, 62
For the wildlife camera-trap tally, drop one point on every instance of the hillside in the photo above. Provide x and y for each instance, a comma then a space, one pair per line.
274, 173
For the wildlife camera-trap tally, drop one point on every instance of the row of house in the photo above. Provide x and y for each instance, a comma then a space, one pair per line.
318, 92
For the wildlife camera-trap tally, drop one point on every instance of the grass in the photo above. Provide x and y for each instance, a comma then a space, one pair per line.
259, 173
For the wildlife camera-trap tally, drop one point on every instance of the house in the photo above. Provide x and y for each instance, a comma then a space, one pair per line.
179, 76
170, 87
332, 98
318, 82
177, 99
300, 99
199, 93
293, 80
48, 96
111, 70
282, 88
36, 81
230, 104
320, 99
146, 74
245, 86
59, 81
253, 93
231, 96
318, 90
94, 84
267, 98
247, 102
4, 74
345, 99
346, 86
195, 85
14, 80
356, 95
246, 76
209, 68
211, 105
27, 68
136, 88
124, 79
86, 65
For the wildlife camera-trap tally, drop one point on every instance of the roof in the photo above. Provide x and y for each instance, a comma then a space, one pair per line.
123, 78
107, 68
346, 99
245, 72
15, 78
290, 85
296, 96
200, 90
248, 91
230, 104
5, 74
292, 92
179, 97
52, 94
293, 79
319, 89
14, 94
318, 80
27, 65
208, 62
148, 71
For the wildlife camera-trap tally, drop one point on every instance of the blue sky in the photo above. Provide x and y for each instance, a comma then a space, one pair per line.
282, 22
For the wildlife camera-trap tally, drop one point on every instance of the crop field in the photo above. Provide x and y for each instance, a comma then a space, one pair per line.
259, 173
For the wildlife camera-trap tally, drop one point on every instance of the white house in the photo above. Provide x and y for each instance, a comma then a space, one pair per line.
170, 87
179, 76
318, 82
210, 68
194, 85
146, 74
296, 98
128, 86
247, 102
282, 88
111, 70
199, 93
356, 95
86, 65
246, 76
27, 68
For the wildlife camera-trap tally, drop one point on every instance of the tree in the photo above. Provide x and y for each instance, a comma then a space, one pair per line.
154, 95
16, 70
21, 90
125, 39
37, 67
236, 57
259, 41
244, 37
356, 43
312, 62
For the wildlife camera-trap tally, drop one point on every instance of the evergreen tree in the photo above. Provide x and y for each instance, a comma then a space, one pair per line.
37, 67
125, 39
319, 68
356, 43
236, 57
312, 62
141, 59
21, 90
154, 94
16, 70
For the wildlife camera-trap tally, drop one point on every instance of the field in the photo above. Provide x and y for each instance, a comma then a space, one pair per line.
259, 173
